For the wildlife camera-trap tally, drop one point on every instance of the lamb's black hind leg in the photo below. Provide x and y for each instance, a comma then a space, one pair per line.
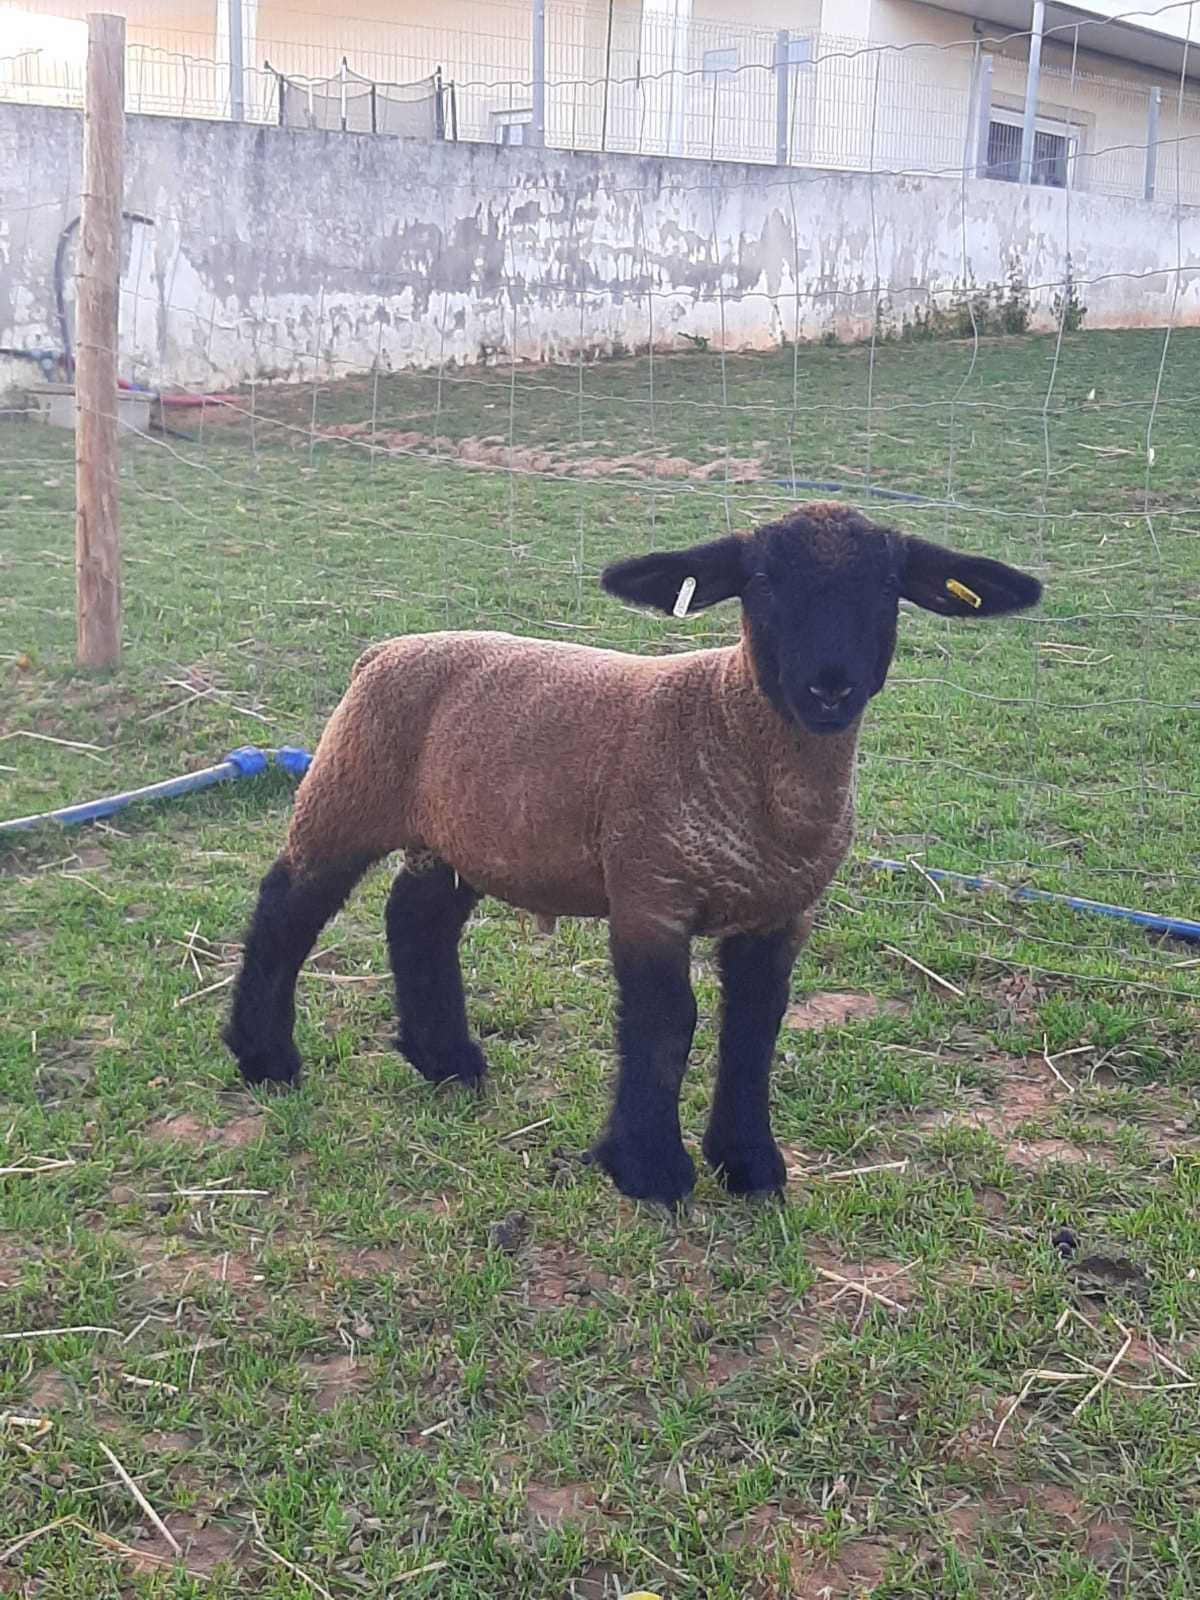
426, 913
292, 909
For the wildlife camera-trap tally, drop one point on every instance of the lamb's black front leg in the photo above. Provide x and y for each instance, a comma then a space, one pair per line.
755, 979
642, 1149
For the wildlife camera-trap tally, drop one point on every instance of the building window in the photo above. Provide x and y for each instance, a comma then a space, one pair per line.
720, 64
1053, 152
512, 124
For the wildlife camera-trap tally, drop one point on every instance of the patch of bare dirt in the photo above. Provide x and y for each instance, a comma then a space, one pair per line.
1106, 1541
834, 1008
181, 1129
1142, 500
1032, 1153
963, 1524
973, 1443
848, 1285
1055, 1501
759, 1531
206, 1546
374, 1261
993, 1203
177, 1271
1103, 1540
597, 1582
857, 1568
90, 858
1021, 995
492, 450
64, 1068
188, 1129
167, 1444
725, 1364
535, 1425
791, 1338
223, 1267
556, 1274
543, 1376
12, 1258
892, 1414
561, 1505
336, 1379
240, 1131
684, 1261
1019, 1101
49, 1391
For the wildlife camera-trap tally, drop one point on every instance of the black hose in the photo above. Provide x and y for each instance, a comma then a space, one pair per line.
60, 287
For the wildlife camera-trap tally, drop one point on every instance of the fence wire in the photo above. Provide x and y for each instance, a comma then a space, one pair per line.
332, 451
644, 81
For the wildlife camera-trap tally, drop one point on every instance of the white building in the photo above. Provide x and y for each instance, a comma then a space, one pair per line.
859, 84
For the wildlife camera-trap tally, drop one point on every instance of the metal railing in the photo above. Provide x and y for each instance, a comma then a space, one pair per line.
642, 82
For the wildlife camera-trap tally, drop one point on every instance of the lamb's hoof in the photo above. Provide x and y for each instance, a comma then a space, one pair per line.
644, 1169
271, 1069
748, 1169
463, 1063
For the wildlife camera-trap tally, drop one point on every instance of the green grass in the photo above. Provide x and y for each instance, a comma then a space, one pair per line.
352, 1382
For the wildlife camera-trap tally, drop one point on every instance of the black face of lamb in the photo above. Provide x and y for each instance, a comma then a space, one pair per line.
821, 628
820, 593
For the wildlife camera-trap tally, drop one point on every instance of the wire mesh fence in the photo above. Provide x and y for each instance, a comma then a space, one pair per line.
650, 81
377, 386
345, 425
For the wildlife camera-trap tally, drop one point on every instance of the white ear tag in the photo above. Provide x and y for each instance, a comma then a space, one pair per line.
684, 598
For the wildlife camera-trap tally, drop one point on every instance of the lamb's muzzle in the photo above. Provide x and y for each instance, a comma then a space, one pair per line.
707, 793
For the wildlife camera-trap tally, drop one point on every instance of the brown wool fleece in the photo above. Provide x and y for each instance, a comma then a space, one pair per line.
662, 791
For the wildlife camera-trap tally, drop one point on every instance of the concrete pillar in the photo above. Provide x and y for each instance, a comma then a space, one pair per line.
1029, 126
1152, 114
237, 62
537, 131
983, 113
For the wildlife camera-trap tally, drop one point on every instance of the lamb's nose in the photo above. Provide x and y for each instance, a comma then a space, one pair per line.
830, 699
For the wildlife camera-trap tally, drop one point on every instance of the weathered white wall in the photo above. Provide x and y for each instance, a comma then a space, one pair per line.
292, 253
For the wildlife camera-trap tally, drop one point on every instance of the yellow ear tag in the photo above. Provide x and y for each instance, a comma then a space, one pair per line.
961, 592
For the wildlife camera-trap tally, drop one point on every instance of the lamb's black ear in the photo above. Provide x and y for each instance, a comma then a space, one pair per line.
963, 586
718, 567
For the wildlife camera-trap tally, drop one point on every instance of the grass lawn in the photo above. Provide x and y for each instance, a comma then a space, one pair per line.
373, 1340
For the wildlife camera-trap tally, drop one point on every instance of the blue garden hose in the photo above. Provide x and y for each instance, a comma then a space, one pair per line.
248, 761
245, 762
1172, 927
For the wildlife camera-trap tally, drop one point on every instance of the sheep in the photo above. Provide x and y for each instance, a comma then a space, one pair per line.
703, 793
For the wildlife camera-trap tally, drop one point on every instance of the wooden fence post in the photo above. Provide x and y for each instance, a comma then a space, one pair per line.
97, 305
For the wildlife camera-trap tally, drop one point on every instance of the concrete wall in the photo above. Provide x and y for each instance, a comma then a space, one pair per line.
298, 253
